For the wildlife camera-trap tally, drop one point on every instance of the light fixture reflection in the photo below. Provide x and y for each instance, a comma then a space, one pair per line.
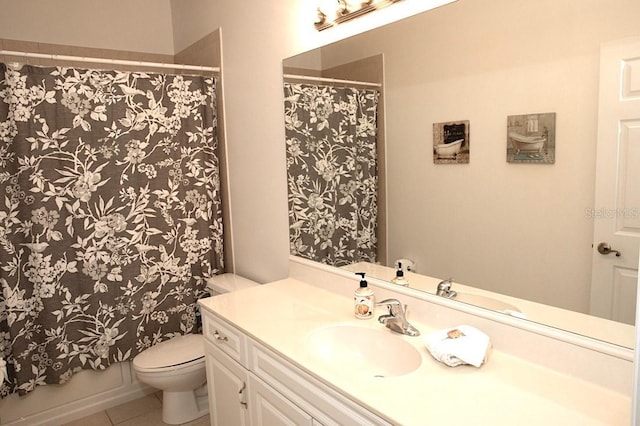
333, 12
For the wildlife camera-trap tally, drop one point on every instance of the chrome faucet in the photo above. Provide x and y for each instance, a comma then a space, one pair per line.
396, 319
444, 289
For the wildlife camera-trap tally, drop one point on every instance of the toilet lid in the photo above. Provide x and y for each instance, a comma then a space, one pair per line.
175, 351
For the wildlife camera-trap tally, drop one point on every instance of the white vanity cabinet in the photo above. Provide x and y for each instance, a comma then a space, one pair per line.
268, 407
227, 383
227, 377
250, 385
239, 397
264, 370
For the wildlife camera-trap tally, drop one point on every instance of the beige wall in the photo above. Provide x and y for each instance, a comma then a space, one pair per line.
139, 26
191, 20
256, 36
78, 51
253, 114
516, 229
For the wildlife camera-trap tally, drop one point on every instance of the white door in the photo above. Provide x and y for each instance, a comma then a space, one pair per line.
616, 214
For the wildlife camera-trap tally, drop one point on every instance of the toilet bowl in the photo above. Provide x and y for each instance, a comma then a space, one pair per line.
177, 366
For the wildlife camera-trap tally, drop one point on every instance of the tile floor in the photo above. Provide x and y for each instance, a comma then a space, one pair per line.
146, 411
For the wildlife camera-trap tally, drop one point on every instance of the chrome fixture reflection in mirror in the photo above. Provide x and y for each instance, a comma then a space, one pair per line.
333, 12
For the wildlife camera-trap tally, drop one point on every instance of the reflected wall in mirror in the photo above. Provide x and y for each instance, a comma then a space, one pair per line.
521, 230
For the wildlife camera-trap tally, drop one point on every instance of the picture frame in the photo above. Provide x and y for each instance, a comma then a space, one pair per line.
451, 144
531, 138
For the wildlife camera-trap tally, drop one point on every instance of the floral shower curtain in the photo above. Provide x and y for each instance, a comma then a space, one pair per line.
110, 218
332, 172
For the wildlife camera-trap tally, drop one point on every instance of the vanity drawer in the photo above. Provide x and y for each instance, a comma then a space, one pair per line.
225, 337
323, 403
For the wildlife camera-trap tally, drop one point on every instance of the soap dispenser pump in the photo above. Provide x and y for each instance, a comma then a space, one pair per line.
400, 278
363, 299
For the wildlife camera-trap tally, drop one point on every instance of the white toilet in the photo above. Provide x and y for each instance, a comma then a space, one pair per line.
177, 367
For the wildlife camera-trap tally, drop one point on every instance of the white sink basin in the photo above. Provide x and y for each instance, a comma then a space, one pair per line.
351, 349
488, 303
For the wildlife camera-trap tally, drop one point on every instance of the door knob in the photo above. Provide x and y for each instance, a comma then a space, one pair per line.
605, 248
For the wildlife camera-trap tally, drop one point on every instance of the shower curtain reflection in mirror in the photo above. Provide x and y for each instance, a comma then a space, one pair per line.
331, 172
111, 216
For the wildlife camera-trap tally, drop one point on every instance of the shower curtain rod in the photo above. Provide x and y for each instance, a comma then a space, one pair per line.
330, 80
109, 61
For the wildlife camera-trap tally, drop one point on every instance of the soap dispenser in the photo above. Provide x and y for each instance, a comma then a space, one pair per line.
400, 278
363, 299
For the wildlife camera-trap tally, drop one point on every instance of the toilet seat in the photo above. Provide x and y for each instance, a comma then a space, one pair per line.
177, 353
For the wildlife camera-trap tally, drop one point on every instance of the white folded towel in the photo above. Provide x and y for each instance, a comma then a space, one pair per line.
459, 345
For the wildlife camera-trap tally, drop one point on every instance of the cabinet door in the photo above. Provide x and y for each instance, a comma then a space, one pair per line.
270, 408
227, 382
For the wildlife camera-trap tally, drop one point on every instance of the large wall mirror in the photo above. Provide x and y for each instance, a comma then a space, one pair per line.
524, 224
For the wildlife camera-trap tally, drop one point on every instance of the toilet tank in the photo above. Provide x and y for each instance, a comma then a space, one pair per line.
226, 283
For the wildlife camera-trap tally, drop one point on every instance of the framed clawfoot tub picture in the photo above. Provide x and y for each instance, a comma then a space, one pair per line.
531, 138
451, 142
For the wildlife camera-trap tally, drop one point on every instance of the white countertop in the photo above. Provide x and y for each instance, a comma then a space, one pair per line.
504, 391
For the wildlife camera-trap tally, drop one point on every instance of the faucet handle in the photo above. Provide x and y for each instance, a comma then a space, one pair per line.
396, 320
395, 306
444, 289
389, 302
445, 285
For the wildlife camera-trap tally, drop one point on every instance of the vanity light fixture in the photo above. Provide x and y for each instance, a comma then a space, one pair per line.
334, 12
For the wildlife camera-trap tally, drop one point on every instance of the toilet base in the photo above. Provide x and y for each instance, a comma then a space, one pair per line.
184, 406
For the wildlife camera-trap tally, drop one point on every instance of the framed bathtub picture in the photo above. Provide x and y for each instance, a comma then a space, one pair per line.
531, 138
451, 142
